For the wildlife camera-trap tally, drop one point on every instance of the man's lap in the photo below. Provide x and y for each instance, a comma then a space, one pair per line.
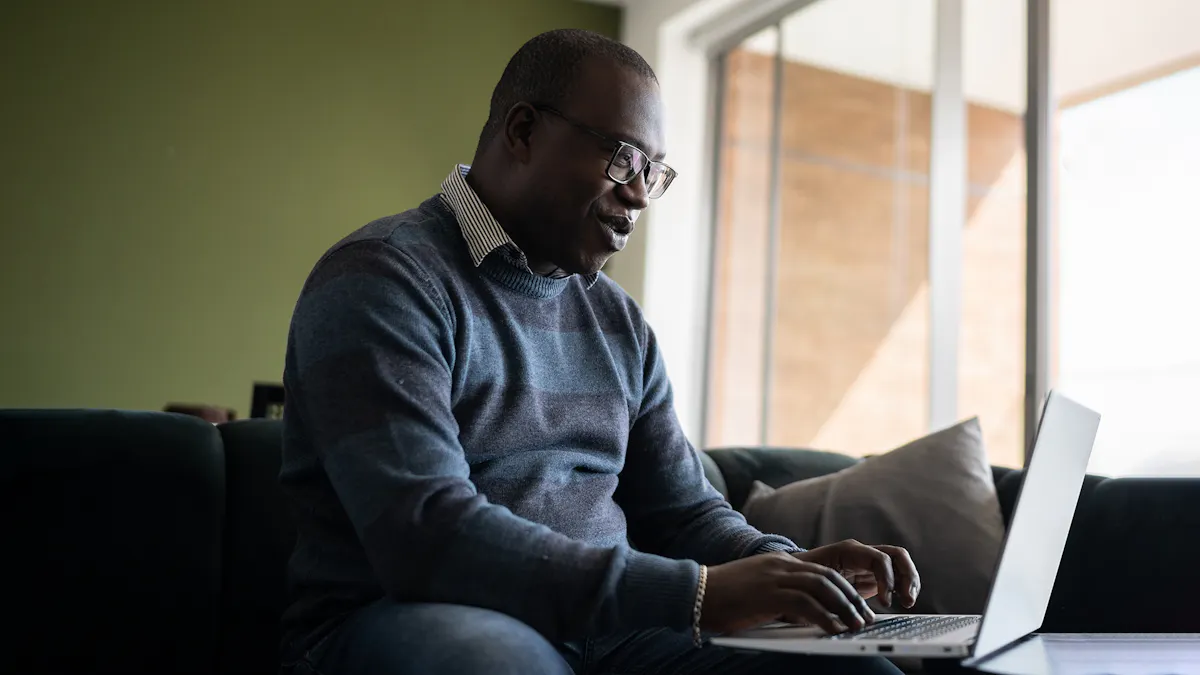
389, 638
402, 638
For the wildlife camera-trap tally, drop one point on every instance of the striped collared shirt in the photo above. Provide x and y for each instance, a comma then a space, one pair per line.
480, 229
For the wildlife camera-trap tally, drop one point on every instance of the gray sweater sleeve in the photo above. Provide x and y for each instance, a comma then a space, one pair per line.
374, 345
672, 508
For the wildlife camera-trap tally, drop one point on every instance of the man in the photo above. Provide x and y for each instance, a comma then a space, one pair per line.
480, 444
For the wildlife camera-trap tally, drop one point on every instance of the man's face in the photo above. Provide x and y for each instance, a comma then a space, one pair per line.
578, 215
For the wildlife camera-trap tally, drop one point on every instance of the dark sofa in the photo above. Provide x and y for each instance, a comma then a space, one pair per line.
145, 542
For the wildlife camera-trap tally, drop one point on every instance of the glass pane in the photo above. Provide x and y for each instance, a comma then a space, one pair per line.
734, 415
849, 362
1128, 338
991, 357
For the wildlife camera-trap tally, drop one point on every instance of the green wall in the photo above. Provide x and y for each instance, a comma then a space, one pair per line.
173, 169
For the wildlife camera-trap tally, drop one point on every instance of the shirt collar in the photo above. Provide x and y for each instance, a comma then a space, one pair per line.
479, 227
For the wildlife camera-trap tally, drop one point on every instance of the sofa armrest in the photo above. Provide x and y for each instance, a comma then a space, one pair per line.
112, 534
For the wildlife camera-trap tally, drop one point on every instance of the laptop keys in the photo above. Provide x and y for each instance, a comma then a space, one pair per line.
908, 628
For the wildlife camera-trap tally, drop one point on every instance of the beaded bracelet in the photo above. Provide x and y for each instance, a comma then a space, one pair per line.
699, 604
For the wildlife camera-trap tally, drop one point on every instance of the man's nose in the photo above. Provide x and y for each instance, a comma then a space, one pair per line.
634, 193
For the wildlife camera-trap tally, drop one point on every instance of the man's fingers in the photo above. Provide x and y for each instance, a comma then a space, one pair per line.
832, 590
803, 608
885, 574
908, 581
864, 582
856, 599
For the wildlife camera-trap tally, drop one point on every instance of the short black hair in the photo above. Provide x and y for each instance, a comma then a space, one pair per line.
545, 68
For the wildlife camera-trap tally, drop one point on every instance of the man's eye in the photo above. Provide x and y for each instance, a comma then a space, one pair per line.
624, 159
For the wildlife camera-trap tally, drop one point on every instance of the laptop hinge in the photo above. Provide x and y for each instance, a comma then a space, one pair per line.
978, 659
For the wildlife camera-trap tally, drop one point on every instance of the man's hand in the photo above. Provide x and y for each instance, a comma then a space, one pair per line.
780, 587
872, 570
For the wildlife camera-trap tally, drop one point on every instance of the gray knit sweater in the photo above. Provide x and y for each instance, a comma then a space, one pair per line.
488, 437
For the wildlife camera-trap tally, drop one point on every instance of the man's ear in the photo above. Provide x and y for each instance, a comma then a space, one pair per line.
518, 130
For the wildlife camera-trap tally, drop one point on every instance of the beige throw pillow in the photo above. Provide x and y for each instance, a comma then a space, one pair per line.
933, 496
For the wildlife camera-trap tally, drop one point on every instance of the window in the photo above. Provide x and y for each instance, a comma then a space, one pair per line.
820, 319
873, 273
1128, 338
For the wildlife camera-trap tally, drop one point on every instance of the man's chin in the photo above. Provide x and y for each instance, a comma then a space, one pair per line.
597, 264
587, 266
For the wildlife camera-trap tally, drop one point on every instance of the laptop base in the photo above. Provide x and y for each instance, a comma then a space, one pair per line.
812, 640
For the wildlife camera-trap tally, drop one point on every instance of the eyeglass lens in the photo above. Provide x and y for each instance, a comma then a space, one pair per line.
628, 161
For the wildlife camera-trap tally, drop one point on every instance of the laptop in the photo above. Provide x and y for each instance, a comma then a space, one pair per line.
1024, 575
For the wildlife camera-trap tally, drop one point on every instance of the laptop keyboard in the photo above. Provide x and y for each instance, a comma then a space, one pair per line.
909, 628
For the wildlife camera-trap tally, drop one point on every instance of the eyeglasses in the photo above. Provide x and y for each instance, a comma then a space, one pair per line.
627, 161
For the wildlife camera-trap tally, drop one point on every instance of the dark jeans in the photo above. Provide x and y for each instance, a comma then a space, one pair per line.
387, 638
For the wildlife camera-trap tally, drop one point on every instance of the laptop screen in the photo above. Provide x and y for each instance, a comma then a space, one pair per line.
1045, 507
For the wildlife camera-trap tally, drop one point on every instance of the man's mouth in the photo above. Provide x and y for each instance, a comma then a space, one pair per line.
622, 225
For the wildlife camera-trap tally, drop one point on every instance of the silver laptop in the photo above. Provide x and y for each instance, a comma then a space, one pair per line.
1025, 571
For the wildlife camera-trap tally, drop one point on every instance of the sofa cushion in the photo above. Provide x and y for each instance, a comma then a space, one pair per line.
112, 539
775, 467
258, 540
934, 496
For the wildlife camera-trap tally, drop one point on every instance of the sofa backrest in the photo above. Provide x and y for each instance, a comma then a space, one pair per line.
733, 470
147, 542
112, 535
259, 536
776, 467
1139, 573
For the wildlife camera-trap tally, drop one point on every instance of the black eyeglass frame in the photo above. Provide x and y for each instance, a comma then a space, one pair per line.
669, 172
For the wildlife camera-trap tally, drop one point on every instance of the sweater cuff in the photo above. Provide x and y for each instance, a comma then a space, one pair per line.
658, 592
779, 545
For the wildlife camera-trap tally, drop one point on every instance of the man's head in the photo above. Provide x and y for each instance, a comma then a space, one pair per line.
573, 136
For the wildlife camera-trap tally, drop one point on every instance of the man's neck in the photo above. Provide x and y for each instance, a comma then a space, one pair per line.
490, 200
